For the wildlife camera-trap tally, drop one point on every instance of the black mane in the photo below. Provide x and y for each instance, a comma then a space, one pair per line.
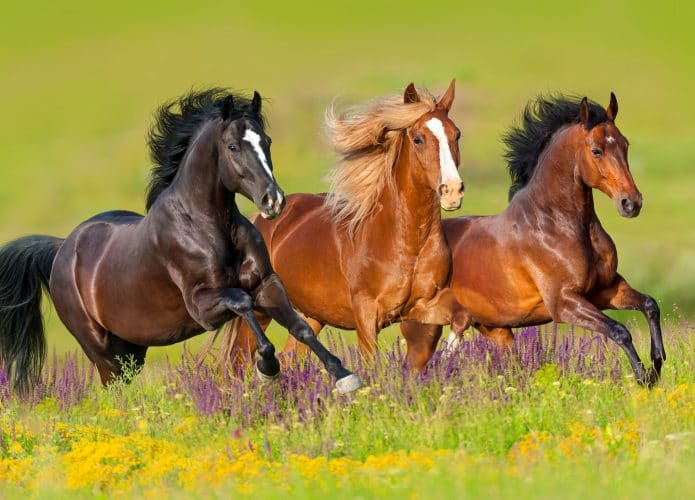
176, 122
541, 119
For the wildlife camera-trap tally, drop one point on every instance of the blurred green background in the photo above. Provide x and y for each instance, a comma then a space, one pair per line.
80, 81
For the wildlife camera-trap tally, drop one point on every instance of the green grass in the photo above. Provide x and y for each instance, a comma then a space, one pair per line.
479, 432
80, 84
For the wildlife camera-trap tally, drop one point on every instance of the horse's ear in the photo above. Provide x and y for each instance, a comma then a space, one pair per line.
447, 99
410, 94
256, 103
612, 110
584, 111
227, 107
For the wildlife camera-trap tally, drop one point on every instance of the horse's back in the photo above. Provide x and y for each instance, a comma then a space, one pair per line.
115, 217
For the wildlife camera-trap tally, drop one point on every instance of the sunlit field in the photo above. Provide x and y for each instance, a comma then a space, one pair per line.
560, 415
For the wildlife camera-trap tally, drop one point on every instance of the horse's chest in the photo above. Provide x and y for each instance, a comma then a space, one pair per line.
418, 279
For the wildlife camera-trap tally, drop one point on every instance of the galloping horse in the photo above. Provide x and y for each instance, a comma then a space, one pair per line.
121, 282
372, 251
547, 257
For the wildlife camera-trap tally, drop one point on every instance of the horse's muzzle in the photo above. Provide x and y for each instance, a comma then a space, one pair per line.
272, 203
451, 194
629, 206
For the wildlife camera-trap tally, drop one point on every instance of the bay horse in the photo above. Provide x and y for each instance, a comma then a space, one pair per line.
372, 251
547, 257
121, 281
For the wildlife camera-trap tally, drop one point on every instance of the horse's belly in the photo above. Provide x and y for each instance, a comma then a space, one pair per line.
496, 294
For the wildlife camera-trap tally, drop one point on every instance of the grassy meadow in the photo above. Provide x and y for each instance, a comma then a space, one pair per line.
558, 416
79, 84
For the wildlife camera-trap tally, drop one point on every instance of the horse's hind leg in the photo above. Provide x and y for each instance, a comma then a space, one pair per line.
108, 352
92, 337
293, 345
422, 342
127, 354
503, 337
95, 343
620, 295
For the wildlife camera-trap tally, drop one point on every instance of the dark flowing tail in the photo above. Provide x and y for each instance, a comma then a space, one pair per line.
25, 266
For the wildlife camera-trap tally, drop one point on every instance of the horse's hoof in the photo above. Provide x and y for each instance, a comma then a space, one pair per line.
264, 376
649, 378
654, 374
452, 342
348, 384
657, 366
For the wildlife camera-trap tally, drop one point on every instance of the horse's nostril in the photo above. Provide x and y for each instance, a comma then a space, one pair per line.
627, 204
267, 200
462, 188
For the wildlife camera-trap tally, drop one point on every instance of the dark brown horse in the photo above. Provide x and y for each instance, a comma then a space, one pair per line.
122, 282
372, 251
547, 257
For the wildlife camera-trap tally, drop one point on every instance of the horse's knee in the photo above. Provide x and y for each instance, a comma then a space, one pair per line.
651, 308
239, 301
621, 334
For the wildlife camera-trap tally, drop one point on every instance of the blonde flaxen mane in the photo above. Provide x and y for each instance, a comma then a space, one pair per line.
368, 139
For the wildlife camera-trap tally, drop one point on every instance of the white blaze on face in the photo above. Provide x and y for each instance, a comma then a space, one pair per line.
255, 140
446, 160
610, 139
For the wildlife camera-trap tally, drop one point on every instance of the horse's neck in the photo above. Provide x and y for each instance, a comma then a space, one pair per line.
556, 185
198, 186
409, 206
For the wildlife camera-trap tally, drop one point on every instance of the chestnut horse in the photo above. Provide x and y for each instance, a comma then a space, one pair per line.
121, 282
547, 257
372, 251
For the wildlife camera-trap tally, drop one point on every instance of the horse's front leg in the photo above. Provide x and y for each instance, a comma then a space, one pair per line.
620, 295
570, 307
211, 308
271, 299
442, 309
422, 342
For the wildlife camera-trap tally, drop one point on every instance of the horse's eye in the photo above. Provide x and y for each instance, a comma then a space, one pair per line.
418, 140
596, 152
233, 147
